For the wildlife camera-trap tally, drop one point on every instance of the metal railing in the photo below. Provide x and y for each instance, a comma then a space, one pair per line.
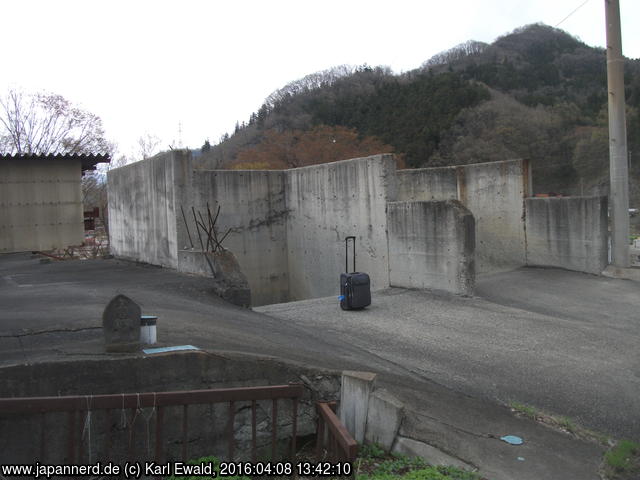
80, 407
332, 435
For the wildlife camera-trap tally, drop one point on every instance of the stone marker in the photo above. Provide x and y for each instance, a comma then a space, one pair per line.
121, 325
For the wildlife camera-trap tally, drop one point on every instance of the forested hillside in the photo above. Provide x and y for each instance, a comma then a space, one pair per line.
535, 93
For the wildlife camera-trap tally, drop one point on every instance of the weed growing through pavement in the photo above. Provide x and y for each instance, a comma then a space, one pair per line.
622, 462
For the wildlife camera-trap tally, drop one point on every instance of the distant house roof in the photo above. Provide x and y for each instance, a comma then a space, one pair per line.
87, 160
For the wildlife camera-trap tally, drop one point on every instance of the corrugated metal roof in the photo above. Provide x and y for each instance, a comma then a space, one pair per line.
88, 160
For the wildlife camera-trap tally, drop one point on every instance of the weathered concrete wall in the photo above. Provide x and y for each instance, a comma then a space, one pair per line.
567, 232
355, 391
431, 245
253, 206
493, 192
142, 211
426, 184
40, 204
327, 203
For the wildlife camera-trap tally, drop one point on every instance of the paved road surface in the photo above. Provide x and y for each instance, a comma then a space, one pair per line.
562, 341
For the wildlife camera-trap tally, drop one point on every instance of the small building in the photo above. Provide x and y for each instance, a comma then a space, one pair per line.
41, 200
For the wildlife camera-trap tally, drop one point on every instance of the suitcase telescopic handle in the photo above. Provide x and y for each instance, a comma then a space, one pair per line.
346, 253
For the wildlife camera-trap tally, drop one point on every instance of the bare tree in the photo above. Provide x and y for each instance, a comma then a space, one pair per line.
148, 145
48, 123
463, 50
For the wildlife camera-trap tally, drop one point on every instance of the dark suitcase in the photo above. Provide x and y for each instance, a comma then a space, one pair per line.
355, 287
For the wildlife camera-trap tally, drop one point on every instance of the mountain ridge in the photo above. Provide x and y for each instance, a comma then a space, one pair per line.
536, 92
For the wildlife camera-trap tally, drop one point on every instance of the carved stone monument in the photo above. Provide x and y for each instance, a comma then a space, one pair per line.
121, 325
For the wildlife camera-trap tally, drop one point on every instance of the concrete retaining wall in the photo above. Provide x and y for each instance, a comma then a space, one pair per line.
328, 202
288, 227
493, 192
253, 207
142, 211
167, 372
568, 232
40, 204
431, 245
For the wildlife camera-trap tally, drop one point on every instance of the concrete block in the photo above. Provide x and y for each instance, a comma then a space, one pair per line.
567, 232
434, 456
431, 245
354, 401
384, 416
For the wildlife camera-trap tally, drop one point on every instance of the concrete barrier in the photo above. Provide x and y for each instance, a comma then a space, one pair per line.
431, 245
567, 232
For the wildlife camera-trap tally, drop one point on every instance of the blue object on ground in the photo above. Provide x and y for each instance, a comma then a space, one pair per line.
169, 349
341, 298
512, 440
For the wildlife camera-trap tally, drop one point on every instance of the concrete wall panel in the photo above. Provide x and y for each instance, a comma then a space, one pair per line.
431, 245
426, 184
328, 203
142, 216
567, 232
493, 192
40, 204
252, 205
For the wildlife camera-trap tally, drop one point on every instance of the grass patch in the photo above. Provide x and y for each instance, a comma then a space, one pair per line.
375, 464
622, 462
524, 410
567, 424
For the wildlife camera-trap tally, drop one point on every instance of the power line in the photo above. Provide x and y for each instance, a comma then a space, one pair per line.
574, 11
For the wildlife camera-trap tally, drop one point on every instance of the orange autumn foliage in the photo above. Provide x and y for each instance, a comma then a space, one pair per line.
298, 148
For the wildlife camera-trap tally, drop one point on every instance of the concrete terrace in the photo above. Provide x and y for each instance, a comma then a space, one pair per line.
562, 341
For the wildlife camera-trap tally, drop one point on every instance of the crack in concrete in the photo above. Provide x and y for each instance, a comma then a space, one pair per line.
43, 332
454, 427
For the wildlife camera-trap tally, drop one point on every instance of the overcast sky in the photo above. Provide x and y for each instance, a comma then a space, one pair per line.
148, 66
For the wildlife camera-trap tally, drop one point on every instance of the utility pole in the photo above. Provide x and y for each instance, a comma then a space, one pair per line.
618, 163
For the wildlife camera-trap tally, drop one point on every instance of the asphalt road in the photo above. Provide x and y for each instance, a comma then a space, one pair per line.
562, 341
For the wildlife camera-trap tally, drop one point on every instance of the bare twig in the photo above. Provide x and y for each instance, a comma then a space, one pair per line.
186, 226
